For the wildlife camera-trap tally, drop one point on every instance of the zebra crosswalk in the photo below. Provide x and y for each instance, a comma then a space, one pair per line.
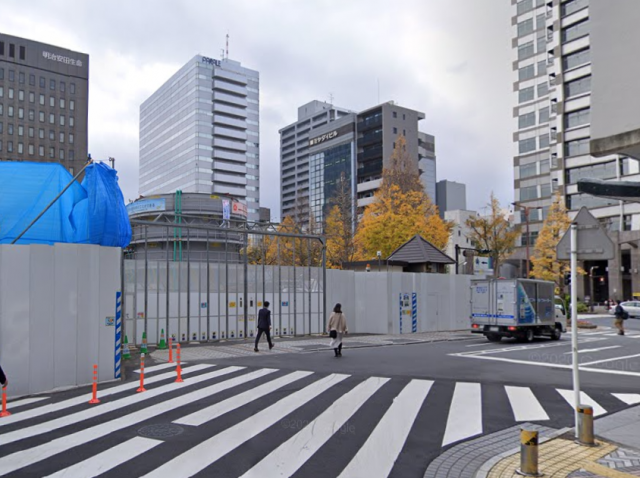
263, 422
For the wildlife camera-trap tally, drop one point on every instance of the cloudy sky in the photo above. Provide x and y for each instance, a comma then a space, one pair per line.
449, 59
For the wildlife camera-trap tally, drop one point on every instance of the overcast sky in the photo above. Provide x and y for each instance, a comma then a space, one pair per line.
449, 59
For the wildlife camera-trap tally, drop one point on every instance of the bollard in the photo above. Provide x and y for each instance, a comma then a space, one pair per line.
94, 399
141, 388
528, 453
585, 426
170, 350
4, 412
178, 368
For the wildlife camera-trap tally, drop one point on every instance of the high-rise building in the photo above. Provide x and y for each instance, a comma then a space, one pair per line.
555, 69
199, 132
450, 196
44, 91
328, 143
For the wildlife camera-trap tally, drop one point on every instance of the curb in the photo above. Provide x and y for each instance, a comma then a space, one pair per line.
483, 471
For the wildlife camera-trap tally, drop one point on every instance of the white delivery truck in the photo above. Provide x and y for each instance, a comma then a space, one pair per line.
518, 308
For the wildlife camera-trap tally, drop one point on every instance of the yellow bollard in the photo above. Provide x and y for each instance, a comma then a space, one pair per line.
528, 453
585, 426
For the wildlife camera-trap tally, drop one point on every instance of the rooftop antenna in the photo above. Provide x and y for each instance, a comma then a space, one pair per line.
331, 98
222, 53
227, 45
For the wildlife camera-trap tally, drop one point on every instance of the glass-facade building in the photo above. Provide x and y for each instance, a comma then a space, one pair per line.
199, 132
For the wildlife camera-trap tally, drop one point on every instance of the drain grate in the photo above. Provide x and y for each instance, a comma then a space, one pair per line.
161, 430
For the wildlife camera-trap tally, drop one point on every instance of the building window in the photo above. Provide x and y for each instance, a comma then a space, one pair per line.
524, 6
1, 109
10, 128
543, 115
72, 105
70, 138
52, 102
627, 222
528, 193
395, 115
543, 140
525, 27
61, 155
21, 113
528, 170
41, 133
0, 145
41, 151
525, 50
42, 82
41, 115
31, 150
32, 80
72, 88
12, 50
526, 73
52, 85
32, 132
11, 93
62, 103
32, 115
71, 122
545, 190
10, 111
576, 118
20, 148
576, 201
52, 152
62, 87
12, 75
1, 91
21, 95
577, 87
20, 130
575, 31
52, 135
526, 145
1, 73
32, 97
52, 118
596, 171
42, 100
61, 120
576, 147
1, 127
1, 48
9, 146
71, 155
526, 94
23, 53
572, 6
544, 166
542, 67
21, 78
526, 120
543, 89
576, 59
395, 130
62, 137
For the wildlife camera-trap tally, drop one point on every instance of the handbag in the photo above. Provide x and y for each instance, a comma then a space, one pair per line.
333, 334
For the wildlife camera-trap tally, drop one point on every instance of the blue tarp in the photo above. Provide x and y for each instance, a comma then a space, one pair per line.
89, 213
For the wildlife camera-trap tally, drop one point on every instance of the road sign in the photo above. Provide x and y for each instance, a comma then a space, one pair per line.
593, 242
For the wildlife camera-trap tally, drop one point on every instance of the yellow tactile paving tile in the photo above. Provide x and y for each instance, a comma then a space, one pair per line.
557, 459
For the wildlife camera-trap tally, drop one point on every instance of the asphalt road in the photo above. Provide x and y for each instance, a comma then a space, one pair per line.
378, 411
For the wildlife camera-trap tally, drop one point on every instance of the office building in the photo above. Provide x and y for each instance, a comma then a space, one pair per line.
459, 238
328, 143
559, 81
199, 132
44, 91
450, 196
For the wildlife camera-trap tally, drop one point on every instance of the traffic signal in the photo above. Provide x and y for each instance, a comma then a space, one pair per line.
567, 279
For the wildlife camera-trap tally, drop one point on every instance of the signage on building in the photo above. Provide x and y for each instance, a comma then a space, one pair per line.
146, 205
226, 210
211, 61
61, 59
348, 128
239, 209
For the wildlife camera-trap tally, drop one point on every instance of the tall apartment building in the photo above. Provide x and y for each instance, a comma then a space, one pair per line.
199, 132
44, 92
554, 72
328, 143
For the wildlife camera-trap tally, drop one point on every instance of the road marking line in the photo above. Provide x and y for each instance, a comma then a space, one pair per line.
20, 459
93, 412
611, 359
628, 398
525, 405
484, 344
380, 452
465, 413
214, 411
109, 459
82, 399
611, 335
209, 451
295, 452
161, 366
584, 400
584, 351
23, 402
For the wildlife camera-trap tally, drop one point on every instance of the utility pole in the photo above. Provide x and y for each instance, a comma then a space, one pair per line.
593, 292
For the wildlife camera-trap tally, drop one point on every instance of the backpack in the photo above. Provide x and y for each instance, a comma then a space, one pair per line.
625, 315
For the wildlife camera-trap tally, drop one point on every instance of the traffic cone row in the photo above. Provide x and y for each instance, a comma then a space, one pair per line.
163, 344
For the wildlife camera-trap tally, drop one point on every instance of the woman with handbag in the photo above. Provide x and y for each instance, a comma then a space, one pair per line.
337, 327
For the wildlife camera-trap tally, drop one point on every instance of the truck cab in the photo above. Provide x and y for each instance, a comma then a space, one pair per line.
561, 313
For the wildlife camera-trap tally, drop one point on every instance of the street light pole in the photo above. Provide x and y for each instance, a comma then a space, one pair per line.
526, 216
593, 293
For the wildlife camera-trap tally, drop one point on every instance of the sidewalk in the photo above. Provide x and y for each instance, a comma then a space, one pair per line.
498, 455
244, 347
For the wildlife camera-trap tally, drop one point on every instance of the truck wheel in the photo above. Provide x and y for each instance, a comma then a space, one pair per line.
494, 337
528, 335
556, 334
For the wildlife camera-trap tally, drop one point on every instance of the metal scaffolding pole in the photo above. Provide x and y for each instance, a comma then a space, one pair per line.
146, 281
208, 292
167, 288
245, 310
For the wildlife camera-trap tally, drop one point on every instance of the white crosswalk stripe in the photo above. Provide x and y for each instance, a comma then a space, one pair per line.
194, 404
24, 401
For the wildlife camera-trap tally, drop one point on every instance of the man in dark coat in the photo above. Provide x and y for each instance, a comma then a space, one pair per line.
264, 325
3, 378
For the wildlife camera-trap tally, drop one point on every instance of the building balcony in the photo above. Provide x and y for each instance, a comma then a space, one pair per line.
226, 121
370, 154
370, 123
229, 155
224, 86
229, 133
230, 110
370, 138
223, 143
233, 100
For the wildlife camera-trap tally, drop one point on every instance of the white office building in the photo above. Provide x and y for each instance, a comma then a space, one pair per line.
199, 132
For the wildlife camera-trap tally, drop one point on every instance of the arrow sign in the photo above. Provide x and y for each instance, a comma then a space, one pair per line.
593, 242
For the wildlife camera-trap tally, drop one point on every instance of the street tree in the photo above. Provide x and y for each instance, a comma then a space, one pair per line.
340, 225
493, 233
403, 169
546, 265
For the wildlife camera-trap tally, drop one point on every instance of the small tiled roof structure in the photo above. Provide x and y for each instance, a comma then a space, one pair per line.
418, 250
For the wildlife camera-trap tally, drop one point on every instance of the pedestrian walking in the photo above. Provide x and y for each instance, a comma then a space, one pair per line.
337, 328
621, 315
264, 326
3, 378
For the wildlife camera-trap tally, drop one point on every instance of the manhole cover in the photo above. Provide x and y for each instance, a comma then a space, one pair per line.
161, 430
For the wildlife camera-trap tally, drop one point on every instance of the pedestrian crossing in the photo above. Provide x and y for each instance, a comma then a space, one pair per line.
262, 422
